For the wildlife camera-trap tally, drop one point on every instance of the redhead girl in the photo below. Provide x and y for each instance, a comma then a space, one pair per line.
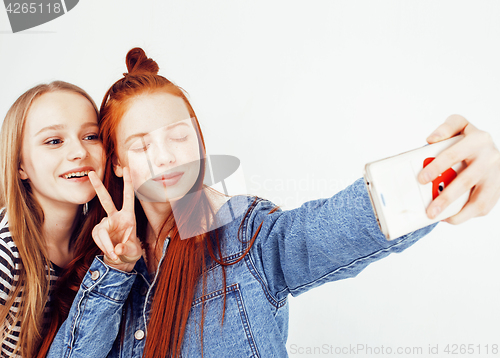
49, 143
213, 279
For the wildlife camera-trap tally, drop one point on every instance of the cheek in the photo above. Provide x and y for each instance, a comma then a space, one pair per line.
139, 170
136, 177
97, 153
29, 162
189, 153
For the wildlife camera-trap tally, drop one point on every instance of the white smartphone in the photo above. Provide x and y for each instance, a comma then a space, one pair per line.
399, 201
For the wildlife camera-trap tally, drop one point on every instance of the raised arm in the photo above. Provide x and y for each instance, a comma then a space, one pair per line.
95, 316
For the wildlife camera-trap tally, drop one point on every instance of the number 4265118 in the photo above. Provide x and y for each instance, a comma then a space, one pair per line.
33, 8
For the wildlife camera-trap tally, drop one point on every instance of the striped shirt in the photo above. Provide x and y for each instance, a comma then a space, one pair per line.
9, 274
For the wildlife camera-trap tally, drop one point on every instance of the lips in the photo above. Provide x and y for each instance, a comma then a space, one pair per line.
77, 174
168, 179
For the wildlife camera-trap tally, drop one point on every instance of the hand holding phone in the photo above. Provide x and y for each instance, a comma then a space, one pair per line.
399, 200
481, 177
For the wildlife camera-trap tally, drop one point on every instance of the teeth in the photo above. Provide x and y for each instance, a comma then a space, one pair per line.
77, 174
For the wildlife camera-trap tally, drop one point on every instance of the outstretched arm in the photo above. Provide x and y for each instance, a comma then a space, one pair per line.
331, 239
323, 240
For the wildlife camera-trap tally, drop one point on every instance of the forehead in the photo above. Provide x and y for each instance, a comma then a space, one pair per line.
147, 113
60, 107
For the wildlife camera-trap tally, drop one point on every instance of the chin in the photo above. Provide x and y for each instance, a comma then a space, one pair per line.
85, 200
151, 191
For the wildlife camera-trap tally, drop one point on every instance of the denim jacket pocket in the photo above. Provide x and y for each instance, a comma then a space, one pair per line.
234, 336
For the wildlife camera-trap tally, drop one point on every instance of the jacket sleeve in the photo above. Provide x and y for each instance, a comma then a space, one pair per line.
321, 241
94, 319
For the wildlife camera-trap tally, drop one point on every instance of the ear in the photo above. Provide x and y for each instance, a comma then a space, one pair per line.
117, 168
22, 173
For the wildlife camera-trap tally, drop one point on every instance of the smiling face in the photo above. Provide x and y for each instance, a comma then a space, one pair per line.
157, 141
60, 145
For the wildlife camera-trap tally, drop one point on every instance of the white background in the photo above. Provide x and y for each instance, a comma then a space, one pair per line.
306, 93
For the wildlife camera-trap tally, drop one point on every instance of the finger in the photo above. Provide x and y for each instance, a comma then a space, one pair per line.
97, 240
126, 236
107, 246
463, 183
128, 191
452, 126
480, 203
129, 248
95, 234
102, 193
458, 152
128, 252
120, 249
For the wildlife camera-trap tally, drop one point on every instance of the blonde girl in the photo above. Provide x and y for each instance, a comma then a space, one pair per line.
48, 144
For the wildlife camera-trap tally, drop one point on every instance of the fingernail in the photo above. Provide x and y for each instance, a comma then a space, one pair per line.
435, 211
113, 256
434, 136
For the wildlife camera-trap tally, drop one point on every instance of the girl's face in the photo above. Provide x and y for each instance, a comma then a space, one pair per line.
157, 141
60, 146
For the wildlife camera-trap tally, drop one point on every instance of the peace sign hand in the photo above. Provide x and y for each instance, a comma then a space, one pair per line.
116, 235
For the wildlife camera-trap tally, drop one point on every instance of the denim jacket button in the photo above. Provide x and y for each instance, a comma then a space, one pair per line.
144, 290
95, 275
139, 334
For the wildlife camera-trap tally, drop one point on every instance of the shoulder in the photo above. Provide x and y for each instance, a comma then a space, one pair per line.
9, 258
243, 210
239, 218
9, 254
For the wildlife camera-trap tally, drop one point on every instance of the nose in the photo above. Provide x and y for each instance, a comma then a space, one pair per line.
77, 150
162, 154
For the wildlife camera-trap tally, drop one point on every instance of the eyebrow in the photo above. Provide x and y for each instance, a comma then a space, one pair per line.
56, 127
142, 134
180, 123
137, 135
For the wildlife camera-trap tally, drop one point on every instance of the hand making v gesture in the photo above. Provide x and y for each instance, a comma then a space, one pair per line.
116, 234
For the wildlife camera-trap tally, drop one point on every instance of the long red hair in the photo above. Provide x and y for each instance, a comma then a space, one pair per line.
185, 260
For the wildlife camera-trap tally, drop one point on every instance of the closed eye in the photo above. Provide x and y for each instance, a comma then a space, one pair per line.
182, 139
140, 149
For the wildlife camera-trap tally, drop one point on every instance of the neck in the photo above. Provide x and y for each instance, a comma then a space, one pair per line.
58, 225
156, 214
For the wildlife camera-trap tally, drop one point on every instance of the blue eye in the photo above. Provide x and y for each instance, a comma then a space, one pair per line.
92, 137
53, 142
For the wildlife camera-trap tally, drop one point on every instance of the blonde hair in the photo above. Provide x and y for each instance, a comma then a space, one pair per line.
25, 223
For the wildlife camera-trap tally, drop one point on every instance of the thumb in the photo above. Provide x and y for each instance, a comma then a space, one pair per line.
128, 252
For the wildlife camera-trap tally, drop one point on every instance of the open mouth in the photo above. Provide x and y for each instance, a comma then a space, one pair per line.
76, 174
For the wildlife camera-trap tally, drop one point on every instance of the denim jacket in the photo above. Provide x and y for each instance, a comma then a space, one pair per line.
323, 240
